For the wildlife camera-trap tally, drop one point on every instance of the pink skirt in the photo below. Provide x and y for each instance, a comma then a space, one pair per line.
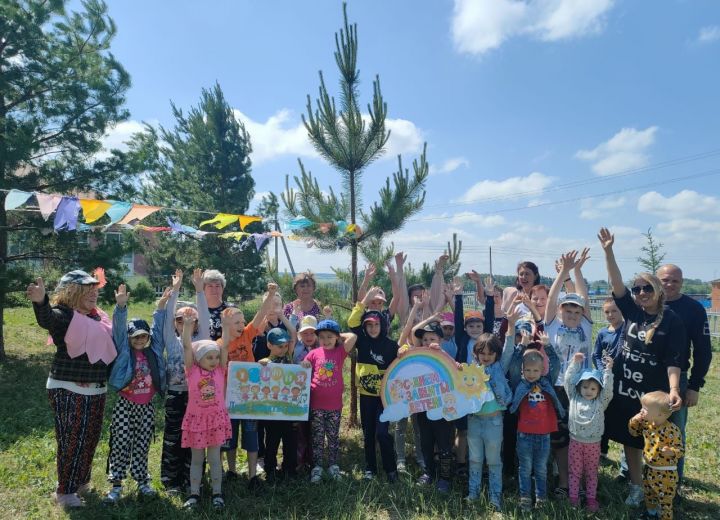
206, 429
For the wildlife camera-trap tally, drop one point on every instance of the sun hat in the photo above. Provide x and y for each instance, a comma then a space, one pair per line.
308, 323
591, 374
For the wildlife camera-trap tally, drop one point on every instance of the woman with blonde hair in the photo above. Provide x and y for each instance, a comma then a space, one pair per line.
84, 348
304, 285
648, 360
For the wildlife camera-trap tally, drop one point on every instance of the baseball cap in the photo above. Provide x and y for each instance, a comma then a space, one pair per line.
447, 319
473, 316
330, 325
572, 299
380, 295
372, 316
137, 326
277, 336
433, 327
521, 325
308, 323
77, 277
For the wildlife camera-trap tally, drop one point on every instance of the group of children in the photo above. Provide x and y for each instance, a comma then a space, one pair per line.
536, 353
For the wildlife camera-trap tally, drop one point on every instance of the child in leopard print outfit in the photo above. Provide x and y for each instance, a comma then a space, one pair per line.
663, 448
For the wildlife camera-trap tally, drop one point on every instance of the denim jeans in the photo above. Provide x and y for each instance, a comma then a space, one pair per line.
485, 435
533, 451
679, 419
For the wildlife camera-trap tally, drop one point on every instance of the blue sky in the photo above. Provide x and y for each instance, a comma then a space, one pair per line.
541, 116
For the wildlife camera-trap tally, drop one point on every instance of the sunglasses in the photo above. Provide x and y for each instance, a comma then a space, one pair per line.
647, 289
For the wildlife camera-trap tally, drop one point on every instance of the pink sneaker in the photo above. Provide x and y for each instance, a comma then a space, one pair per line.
592, 505
574, 501
69, 501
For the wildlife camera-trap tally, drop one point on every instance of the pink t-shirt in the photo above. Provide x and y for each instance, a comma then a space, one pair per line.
326, 387
140, 390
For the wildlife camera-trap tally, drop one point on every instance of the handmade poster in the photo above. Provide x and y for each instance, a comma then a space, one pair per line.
276, 392
427, 380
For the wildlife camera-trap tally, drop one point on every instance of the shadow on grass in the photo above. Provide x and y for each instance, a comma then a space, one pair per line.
23, 399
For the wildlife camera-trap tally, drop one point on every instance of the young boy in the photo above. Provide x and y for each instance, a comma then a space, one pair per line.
240, 348
538, 409
663, 448
280, 343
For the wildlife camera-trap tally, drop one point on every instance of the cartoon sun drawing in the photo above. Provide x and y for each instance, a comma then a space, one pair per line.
470, 381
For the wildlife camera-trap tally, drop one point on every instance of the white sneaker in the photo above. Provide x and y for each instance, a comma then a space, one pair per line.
146, 491
316, 475
69, 501
113, 496
401, 467
636, 496
260, 466
334, 471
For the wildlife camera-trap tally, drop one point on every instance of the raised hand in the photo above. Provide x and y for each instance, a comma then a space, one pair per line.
36, 291
177, 280
526, 338
441, 261
197, 279
584, 257
609, 362
400, 259
474, 276
513, 316
162, 302
567, 261
489, 285
121, 295
579, 357
544, 339
272, 288
457, 285
370, 272
606, 238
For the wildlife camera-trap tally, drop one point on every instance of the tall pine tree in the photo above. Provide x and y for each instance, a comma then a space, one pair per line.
60, 91
350, 141
203, 164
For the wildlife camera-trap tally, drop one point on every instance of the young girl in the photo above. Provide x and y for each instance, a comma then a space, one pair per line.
175, 460
538, 410
326, 389
206, 425
485, 428
137, 374
590, 392
663, 448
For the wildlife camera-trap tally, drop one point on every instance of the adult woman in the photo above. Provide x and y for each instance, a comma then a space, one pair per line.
76, 386
649, 359
528, 275
305, 304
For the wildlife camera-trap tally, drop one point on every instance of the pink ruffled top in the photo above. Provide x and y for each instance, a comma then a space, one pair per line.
88, 336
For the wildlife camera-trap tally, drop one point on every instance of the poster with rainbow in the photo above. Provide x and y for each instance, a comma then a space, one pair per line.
428, 380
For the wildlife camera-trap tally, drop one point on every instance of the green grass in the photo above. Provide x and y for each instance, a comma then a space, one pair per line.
27, 467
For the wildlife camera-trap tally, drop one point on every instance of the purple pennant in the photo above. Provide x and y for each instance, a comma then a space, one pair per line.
66, 215
260, 240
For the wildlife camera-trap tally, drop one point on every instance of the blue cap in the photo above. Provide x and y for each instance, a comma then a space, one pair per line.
277, 336
136, 326
589, 373
330, 325
78, 277
521, 325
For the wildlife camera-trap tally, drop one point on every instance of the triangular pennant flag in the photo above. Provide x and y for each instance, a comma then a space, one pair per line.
138, 212
244, 220
94, 209
237, 235
118, 210
275, 234
221, 220
47, 203
67, 214
260, 240
299, 223
16, 198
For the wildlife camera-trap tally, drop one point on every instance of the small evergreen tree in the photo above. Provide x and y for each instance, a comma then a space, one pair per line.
652, 253
350, 141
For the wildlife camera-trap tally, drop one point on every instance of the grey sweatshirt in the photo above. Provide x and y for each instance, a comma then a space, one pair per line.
586, 418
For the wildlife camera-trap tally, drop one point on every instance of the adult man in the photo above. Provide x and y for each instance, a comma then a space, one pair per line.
213, 287
695, 319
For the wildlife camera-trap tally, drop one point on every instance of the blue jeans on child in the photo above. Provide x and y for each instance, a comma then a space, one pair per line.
533, 451
484, 438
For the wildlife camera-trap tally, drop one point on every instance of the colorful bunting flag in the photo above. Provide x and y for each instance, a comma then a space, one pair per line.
118, 210
16, 198
244, 220
138, 212
47, 203
94, 209
220, 220
299, 223
66, 214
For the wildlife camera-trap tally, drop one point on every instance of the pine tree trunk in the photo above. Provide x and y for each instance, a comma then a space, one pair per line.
3, 279
354, 273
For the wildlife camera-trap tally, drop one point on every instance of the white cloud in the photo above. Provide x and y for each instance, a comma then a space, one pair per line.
479, 26
596, 208
626, 150
533, 184
709, 34
449, 166
682, 204
280, 135
285, 134
257, 198
117, 137
685, 227
466, 217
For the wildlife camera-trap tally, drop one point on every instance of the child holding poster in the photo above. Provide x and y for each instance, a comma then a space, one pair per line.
326, 389
239, 339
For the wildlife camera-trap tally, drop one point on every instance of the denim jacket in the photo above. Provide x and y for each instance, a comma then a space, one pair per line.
523, 389
123, 368
511, 361
498, 384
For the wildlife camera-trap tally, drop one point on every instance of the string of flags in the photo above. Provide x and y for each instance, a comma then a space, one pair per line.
67, 209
